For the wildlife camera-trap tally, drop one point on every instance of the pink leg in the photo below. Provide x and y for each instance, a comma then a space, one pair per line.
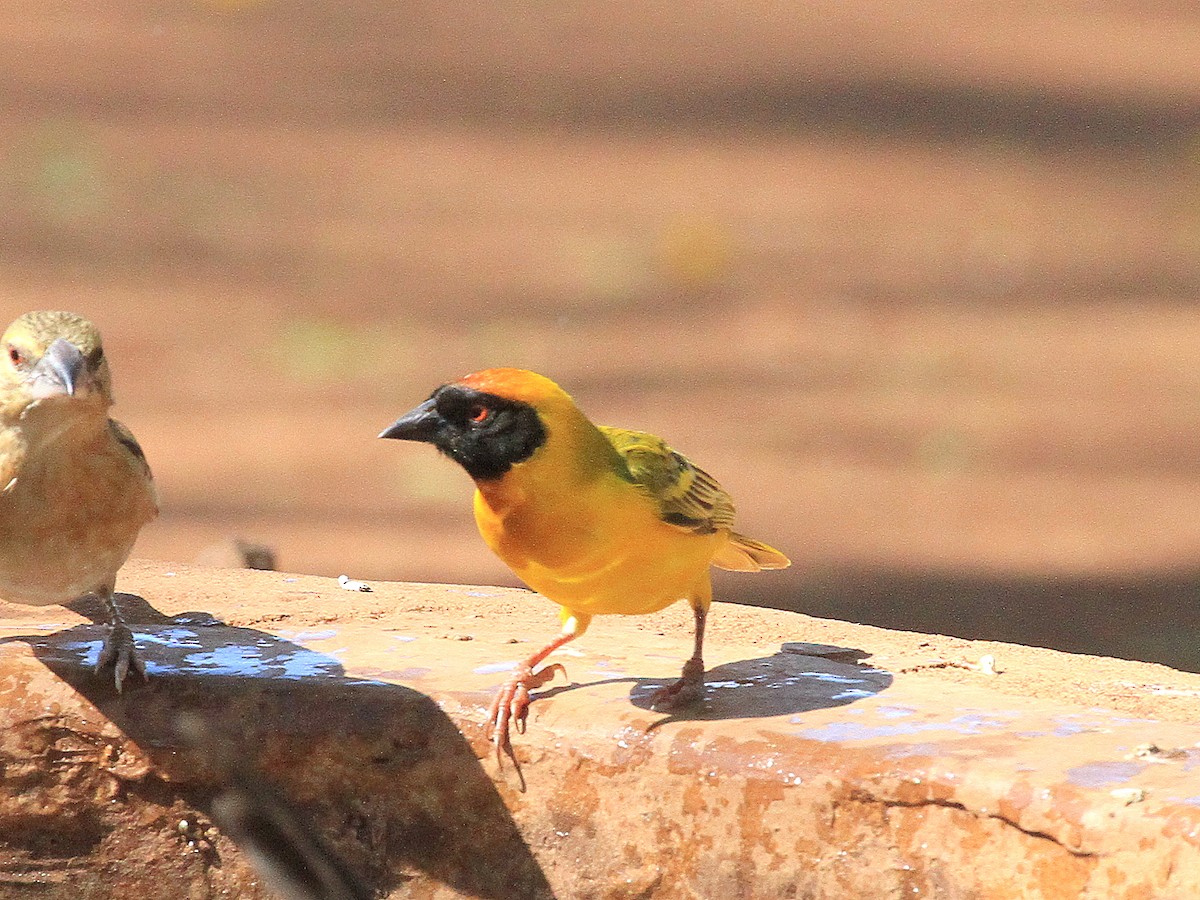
690, 687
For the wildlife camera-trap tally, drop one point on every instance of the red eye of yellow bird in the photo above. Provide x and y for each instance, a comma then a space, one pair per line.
479, 414
15, 356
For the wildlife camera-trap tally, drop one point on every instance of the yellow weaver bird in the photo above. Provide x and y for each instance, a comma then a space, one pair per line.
600, 520
75, 489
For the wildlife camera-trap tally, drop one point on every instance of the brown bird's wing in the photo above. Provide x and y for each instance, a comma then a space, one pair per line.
133, 454
125, 438
687, 496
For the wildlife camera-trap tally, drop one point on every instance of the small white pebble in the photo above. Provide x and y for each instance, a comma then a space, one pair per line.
183, 826
987, 664
349, 584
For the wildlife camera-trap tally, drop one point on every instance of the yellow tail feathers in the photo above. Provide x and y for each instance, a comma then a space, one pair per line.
742, 554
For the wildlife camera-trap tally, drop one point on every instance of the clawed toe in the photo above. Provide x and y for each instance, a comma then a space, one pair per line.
687, 690
121, 654
511, 706
544, 676
674, 696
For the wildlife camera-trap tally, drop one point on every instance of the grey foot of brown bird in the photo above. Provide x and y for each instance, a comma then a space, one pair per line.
120, 653
687, 690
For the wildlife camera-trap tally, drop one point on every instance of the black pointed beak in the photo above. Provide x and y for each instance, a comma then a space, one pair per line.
61, 368
420, 424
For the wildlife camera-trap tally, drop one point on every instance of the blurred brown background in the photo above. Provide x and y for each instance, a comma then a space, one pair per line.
918, 284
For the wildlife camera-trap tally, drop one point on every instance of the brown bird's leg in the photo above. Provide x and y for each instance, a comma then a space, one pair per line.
690, 687
512, 701
118, 650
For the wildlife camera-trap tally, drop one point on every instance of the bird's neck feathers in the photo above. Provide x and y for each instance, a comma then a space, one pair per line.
44, 438
50, 421
574, 453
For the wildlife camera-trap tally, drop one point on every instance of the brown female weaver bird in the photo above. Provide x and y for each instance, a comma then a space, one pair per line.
600, 520
75, 489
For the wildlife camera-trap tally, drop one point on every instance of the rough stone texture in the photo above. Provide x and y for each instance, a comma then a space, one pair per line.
828, 759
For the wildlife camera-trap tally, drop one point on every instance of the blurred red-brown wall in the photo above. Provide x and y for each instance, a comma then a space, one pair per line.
917, 282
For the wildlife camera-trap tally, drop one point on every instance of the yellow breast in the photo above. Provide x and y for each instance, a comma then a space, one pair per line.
597, 547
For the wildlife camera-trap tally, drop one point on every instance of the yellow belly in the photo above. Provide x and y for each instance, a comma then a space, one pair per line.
603, 552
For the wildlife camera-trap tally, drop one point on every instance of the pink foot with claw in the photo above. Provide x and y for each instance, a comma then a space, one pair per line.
688, 689
512, 705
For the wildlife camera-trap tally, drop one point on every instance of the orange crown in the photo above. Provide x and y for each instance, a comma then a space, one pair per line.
514, 384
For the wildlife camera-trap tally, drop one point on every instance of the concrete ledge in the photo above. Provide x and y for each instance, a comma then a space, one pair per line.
883, 764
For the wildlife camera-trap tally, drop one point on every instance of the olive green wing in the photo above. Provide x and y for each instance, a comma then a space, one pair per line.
687, 496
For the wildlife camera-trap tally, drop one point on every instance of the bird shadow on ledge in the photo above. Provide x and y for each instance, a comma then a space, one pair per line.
267, 736
799, 678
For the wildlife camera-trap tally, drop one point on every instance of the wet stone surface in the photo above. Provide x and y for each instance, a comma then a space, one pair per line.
825, 760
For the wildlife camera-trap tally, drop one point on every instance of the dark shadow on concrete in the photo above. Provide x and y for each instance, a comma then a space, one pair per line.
388, 781
1153, 617
799, 678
